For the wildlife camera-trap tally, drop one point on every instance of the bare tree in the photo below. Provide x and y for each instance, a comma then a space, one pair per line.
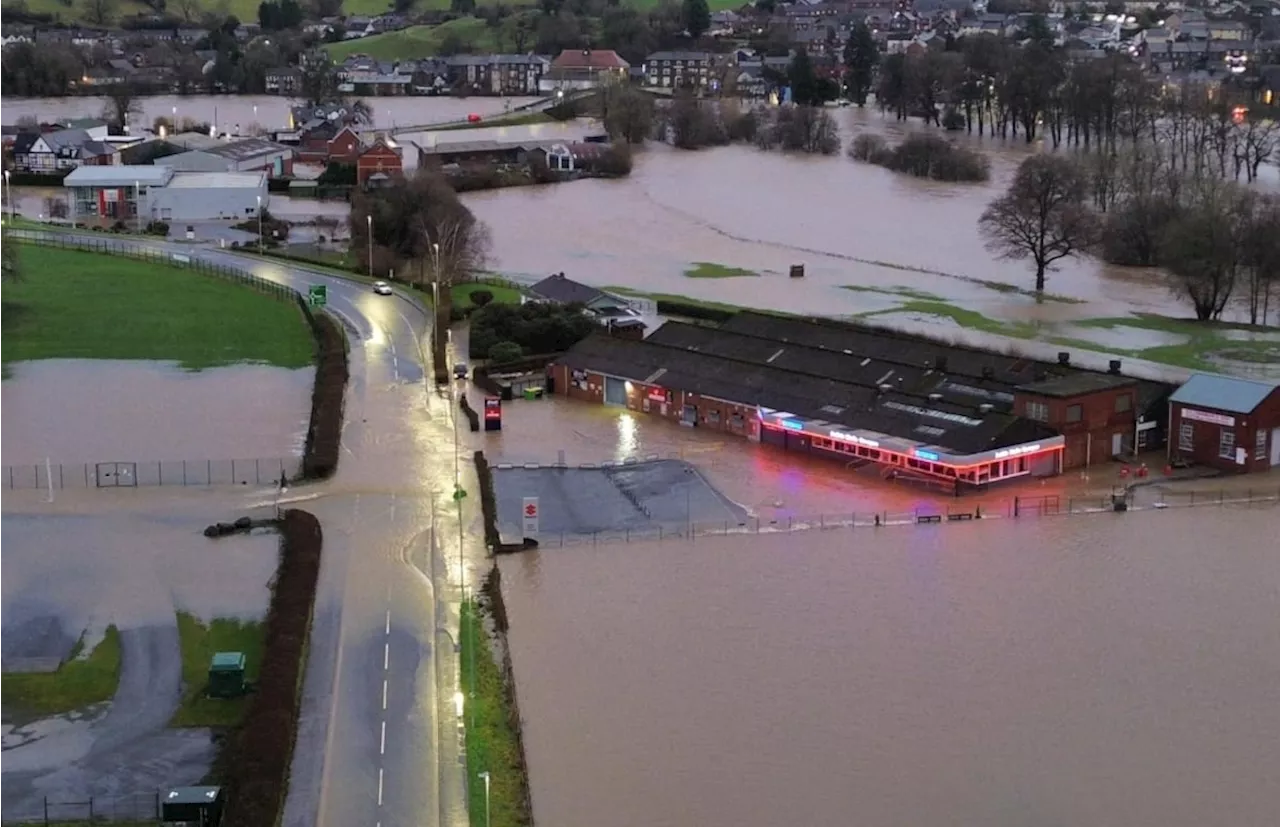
122, 102
1256, 140
99, 12
1204, 247
55, 207
189, 9
1262, 256
1042, 217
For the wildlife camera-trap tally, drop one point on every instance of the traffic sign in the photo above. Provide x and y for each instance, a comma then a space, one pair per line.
318, 295
459, 492
530, 514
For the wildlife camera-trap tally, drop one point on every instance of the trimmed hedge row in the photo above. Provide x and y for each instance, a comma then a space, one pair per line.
258, 756
324, 435
488, 502
690, 310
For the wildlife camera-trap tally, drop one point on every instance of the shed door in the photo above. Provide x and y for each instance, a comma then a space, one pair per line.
1275, 448
615, 391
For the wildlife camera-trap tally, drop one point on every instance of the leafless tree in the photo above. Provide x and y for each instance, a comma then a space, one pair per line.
122, 102
55, 207
189, 9
1042, 217
99, 12
1262, 256
1204, 247
1256, 140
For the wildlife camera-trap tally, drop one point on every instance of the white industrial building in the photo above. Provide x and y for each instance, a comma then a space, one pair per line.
104, 195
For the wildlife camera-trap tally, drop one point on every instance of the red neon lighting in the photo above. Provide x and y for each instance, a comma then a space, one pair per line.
943, 463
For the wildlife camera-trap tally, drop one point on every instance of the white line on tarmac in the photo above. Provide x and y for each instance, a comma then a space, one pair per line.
379, 786
382, 742
388, 621
384, 694
386, 655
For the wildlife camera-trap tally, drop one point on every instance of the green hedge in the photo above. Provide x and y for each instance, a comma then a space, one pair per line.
691, 310
488, 502
324, 435
258, 756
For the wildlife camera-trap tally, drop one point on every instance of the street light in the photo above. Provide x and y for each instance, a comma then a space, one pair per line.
368, 220
9, 186
137, 207
485, 776
259, 197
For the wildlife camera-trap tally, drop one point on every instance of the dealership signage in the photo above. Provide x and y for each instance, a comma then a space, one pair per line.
855, 439
658, 395
1017, 451
1207, 416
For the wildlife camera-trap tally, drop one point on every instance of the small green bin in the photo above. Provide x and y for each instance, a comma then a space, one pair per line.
532, 393
226, 675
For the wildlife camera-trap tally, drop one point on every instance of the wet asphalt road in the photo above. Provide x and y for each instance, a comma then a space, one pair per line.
378, 741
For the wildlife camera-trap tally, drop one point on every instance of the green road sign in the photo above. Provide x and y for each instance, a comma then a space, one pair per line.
459, 492
318, 295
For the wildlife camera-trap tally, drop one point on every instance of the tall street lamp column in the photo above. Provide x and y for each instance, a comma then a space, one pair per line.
485, 776
137, 207
368, 222
259, 225
9, 192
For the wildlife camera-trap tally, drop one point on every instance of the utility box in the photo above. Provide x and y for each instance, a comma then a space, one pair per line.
226, 675
197, 806
797, 271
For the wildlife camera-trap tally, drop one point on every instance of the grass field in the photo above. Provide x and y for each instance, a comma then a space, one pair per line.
77, 305
78, 683
711, 270
418, 41
199, 644
491, 742
461, 293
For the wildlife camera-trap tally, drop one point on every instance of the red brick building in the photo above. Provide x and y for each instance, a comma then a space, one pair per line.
1227, 423
330, 143
1094, 412
381, 158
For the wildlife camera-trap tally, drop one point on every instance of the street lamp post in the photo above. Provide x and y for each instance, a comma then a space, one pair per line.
137, 207
368, 221
259, 225
9, 192
485, 776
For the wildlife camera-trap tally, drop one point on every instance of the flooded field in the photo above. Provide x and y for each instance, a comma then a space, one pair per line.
1109, 670
84, 411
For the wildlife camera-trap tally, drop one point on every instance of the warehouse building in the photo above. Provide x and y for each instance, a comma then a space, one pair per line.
1226, 423
957, 417
247, 155
142, 193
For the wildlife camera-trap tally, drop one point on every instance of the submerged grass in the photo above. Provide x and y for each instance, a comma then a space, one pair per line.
896, 290
491, 741
71, 304
971, 319
711, 270
199, 642
78, 683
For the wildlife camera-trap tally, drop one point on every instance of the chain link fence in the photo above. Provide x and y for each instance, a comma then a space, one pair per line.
136, 809
198, 472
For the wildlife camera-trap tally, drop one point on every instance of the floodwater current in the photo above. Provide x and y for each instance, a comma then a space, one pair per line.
1116, 670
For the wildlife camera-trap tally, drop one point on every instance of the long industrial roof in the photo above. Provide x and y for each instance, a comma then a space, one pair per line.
121, 175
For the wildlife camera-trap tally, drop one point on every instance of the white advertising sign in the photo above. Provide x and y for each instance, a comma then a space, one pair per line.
1207, 416
529, 516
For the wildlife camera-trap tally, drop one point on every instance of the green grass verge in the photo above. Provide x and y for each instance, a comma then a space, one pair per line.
711, 270
491, 741
965, 318
71, 304
418, 41
199, 643
897, 290
78, 683
461, 293
673, 297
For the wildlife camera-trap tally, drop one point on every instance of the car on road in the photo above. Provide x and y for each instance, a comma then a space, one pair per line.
382, 288
459, 371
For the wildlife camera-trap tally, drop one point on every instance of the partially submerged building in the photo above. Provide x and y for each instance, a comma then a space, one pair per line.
955, 416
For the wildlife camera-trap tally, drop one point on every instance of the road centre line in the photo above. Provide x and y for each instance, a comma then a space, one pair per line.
384, 694
379, 786
386, 656
382, 743
388, 621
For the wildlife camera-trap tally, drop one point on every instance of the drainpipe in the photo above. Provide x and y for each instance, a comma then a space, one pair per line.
1088, 451
1168, 436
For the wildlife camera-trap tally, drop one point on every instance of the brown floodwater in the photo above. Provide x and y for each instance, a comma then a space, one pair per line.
85, 410
1094, 671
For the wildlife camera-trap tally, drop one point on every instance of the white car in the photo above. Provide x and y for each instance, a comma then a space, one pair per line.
382, 288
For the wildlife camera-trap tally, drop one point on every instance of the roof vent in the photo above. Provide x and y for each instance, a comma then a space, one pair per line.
940, 363
886, 387
935, 397
1114, 367
1064, 358
986, 408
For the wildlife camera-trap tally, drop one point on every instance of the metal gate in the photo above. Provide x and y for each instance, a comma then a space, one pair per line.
116, 474
615, 391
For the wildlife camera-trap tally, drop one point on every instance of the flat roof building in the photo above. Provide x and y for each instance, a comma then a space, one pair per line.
143, 193
955, 416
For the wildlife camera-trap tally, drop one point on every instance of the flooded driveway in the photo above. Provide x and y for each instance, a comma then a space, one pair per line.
83, 411
1104, 670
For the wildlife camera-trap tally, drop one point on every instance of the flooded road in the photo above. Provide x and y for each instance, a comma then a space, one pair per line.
1109, 671
85, 411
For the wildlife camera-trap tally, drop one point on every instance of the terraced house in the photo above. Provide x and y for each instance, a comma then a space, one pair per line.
676, 70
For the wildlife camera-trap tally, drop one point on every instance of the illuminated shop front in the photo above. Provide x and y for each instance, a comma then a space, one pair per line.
900, 456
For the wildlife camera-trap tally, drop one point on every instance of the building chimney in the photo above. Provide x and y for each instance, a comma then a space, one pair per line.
1064, 358
940, 363
1114, 367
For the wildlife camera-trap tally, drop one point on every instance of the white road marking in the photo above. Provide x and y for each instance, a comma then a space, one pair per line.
382, 744
384, 694
379, 786
388, 621
386, 655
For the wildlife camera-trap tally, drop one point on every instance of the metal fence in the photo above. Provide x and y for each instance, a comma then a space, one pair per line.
1014, 508
136, 808
198, 472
